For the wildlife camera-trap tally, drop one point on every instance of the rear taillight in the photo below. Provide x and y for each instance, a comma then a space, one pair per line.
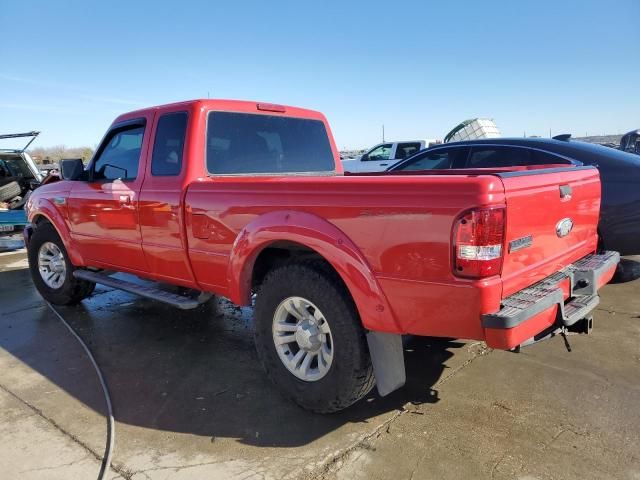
478, 237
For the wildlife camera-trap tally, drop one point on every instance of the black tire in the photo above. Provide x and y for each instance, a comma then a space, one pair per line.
350, 376
9, 191
6, 180
72, 290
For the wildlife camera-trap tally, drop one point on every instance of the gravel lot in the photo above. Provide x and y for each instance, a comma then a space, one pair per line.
190, 399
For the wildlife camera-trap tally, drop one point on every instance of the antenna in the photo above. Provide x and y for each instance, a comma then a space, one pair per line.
383, 132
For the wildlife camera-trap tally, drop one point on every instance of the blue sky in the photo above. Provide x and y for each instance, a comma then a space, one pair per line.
68, 68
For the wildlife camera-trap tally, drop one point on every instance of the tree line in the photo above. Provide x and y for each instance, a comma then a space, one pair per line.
58, 152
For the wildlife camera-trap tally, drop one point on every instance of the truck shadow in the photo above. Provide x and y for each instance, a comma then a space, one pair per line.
628, 270
190, 372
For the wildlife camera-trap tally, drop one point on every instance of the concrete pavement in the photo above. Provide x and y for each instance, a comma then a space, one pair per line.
191, 401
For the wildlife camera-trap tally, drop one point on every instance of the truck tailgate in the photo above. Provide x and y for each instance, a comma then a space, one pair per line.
551, 222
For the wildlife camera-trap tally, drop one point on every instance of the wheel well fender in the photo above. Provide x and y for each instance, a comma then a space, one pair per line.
327, 241
46, 212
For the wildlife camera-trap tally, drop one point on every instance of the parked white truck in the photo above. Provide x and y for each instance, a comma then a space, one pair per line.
384, 155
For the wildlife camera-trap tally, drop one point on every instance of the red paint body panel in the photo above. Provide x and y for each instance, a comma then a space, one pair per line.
389, 237
162, 217
106, 230
549, 253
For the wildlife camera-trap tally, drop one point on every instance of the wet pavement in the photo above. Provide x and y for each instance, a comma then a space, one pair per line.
191, 401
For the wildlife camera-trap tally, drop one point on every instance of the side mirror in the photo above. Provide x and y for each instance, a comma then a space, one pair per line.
72, 169
364, 157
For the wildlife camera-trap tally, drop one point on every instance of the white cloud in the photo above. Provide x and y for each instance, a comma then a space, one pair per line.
72, 89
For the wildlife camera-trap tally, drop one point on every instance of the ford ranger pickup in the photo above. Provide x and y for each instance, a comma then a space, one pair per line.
249, 201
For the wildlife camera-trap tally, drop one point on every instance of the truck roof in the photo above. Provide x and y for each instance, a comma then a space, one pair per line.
230, 105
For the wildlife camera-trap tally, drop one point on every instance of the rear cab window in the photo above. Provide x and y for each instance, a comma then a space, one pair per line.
245, 143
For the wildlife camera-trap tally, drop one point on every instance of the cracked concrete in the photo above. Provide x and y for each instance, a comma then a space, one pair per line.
191, 401
33, 448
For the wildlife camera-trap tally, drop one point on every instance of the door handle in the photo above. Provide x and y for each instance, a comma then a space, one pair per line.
125, 199
384, 164
566, 191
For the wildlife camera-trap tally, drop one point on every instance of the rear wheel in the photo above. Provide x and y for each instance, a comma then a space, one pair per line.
51, 269
310, 340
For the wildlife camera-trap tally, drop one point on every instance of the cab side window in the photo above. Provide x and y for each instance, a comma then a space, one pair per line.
439, 159
168, 145
545, 158
495, 157
119, 156
405, 150
383, 152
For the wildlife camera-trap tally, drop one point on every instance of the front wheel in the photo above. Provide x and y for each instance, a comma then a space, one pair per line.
310, 340
51, 269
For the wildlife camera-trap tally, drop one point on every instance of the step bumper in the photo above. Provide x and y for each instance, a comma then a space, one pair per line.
560, 300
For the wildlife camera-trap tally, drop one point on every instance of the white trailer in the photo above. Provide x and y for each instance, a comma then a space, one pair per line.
473, 129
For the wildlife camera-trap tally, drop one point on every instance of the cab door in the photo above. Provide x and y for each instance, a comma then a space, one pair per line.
161, 212
103, 211
405, 150
378, 159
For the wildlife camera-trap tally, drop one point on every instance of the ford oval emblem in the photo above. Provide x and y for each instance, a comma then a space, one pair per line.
564, 227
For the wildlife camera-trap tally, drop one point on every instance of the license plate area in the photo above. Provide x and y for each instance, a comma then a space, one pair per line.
6, 228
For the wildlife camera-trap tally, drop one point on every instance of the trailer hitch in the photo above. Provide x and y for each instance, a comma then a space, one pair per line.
582, 326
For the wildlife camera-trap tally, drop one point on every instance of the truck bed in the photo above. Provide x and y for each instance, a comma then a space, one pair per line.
402, 225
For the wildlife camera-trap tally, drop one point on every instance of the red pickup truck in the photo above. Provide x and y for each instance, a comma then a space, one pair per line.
241, 198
